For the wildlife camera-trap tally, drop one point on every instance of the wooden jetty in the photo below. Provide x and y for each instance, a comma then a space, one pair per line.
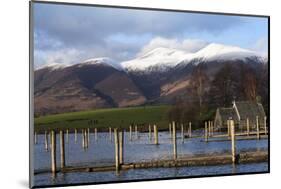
177, 160
183, 161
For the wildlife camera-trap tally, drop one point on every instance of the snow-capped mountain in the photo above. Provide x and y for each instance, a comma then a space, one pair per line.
53, 66
218, 52
101, 61
154, 77
162, 58
105, 61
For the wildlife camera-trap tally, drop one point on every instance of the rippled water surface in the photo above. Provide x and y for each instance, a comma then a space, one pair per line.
101, 152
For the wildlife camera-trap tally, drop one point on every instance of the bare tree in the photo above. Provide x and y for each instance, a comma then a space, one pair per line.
224, 87
199, 83
176, 112
250, 86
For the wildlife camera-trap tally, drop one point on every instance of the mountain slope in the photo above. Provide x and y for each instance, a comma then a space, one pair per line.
157, 76
83, 86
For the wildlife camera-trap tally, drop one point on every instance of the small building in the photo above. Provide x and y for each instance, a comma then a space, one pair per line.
224, 114
240, 112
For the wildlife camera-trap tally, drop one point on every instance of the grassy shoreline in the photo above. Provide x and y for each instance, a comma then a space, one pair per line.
104, 118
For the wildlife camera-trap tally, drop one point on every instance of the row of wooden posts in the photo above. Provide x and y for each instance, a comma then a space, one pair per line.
119, 140
85, 137
86, 134
119, 145
209, 131
257, 125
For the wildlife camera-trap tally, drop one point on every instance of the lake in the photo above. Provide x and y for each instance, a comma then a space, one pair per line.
101, 152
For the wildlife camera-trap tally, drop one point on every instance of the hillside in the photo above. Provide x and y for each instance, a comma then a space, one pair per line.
155, 77
104, 118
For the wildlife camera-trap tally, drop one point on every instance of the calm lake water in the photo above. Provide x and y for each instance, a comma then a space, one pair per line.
101, 152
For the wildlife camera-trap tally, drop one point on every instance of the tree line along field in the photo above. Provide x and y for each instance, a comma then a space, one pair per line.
102, 119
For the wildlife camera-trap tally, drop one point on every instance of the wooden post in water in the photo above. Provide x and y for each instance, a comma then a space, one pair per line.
175, 140
82, 137
62, 151
190, 130
86, 138
258, 127
46, 141
248, 127
53, 151
206, 131
209, 128
265, 126
149, 132
182, 134
116, 142
211, 133
121, 146
212, 128
75, 136
136, 131
83, 140
130, 128
233, 145
35, 137
170, 130
228, 128
96, 134
155, 135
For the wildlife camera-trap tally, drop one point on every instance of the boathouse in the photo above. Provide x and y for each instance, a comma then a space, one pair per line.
240, 112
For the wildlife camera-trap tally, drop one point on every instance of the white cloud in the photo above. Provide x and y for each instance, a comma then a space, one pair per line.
82, 26
63, 56
117, 51
189, 45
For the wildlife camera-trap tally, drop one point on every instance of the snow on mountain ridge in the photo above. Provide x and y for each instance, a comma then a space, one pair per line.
53, 66
160, 51
101, 60
218, 51
163, 58
97, 60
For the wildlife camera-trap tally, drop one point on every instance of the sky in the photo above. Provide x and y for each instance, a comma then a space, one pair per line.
70, 34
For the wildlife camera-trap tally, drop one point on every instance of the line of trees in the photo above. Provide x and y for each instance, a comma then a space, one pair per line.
208, 91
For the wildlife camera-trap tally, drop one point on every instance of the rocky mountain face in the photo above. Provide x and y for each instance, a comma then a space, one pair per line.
155, 77
82, 87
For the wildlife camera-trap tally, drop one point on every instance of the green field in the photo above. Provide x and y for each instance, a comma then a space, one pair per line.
104, 118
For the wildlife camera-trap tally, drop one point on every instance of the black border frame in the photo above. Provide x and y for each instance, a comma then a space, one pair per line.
31, 105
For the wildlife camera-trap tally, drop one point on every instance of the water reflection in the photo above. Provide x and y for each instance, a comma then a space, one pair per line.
100, 152
147, 174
